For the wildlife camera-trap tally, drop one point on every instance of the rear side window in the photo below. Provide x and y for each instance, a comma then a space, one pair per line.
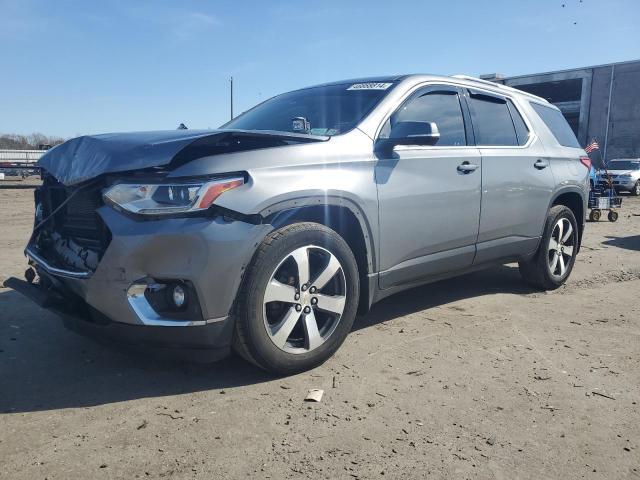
492, 123
442, 108
558, 125
522, 132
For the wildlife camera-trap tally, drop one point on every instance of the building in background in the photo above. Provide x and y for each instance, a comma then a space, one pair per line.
601, 103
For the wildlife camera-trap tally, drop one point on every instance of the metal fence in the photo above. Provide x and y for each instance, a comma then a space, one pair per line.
12, 157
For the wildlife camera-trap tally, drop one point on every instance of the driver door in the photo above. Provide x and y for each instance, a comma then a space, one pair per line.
429, 196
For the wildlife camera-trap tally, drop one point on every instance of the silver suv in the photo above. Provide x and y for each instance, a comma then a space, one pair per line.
270, 234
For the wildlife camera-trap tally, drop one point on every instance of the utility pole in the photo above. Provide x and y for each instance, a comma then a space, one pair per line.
231, 82
606, 134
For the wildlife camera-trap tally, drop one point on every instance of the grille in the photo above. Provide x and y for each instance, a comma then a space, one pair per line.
78, 219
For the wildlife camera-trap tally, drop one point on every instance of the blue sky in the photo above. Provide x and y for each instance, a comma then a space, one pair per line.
78, 67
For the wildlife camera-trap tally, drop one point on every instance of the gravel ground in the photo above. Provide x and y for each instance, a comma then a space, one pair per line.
476, 377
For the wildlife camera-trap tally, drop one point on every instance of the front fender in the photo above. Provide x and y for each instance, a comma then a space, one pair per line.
278, 213
338, 172
272, 190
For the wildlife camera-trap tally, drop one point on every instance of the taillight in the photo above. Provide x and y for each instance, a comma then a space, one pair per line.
586, 161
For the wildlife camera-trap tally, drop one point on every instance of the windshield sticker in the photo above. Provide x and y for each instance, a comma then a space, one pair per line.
323, 131
301, 124
370, 86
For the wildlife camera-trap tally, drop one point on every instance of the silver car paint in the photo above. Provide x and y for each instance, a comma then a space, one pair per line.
440, 212
338, 171
421, 218
516, 194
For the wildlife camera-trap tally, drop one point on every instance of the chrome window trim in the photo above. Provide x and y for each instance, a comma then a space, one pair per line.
429, 83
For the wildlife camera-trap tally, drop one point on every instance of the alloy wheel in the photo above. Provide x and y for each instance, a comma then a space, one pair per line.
304, 299
561, 247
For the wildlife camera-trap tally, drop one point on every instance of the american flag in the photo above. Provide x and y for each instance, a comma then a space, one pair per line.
591, 147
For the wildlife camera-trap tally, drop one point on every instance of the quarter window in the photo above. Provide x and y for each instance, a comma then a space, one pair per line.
440, 107
522, 132
559, 127
492, 123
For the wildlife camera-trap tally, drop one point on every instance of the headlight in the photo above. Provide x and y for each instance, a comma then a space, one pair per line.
624, 175
168, 198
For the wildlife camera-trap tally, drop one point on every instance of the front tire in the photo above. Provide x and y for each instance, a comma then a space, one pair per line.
553, 262
636, 189
298, 300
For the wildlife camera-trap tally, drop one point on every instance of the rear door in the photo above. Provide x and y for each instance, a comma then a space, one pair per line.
429, 206
517, 181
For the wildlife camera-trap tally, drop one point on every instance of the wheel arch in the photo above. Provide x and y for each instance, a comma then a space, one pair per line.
574, 199
342, 216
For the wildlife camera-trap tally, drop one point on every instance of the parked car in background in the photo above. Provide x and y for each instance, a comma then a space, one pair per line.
271, 233
11, 172
624, 174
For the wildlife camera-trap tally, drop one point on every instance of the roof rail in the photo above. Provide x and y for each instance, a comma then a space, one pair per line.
500, 86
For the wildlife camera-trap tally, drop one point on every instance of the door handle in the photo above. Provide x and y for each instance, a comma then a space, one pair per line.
466, 167
541, 164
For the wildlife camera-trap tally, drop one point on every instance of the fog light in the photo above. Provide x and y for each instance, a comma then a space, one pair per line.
179, 296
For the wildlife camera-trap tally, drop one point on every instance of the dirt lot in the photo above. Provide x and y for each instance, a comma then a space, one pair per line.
477, 377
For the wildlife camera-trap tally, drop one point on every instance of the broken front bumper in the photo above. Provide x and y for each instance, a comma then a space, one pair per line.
204, 343
208, 254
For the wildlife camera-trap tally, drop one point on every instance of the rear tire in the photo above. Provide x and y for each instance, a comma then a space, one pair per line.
552, 263
595, 215
314, 266
612, 216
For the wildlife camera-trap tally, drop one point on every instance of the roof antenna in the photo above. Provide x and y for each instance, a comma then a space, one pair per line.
182, 126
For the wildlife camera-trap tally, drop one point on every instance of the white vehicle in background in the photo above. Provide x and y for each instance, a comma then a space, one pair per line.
624, 174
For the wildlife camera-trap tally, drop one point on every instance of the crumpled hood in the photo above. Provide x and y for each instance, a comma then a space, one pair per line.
86, 157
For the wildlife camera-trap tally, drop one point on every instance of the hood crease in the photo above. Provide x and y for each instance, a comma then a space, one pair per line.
90, 156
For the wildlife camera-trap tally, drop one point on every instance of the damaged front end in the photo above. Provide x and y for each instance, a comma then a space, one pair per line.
122, 250
69, 236
68, 242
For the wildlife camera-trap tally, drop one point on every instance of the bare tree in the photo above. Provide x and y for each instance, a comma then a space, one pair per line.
33, 141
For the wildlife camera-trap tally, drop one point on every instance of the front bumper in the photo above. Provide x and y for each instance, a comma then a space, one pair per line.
626, 186
209, 253
205, 343
619, 184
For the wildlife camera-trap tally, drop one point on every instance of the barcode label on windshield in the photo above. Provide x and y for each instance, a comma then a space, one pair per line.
370, 86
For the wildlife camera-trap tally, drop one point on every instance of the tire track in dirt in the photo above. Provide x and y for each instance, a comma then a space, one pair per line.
598, 280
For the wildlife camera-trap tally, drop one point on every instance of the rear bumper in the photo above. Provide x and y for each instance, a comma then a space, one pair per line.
209, 342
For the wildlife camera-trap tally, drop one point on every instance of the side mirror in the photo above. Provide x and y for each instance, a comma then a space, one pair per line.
410, 133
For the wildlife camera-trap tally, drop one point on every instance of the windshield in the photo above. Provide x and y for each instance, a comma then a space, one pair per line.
328, 110
624, 165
